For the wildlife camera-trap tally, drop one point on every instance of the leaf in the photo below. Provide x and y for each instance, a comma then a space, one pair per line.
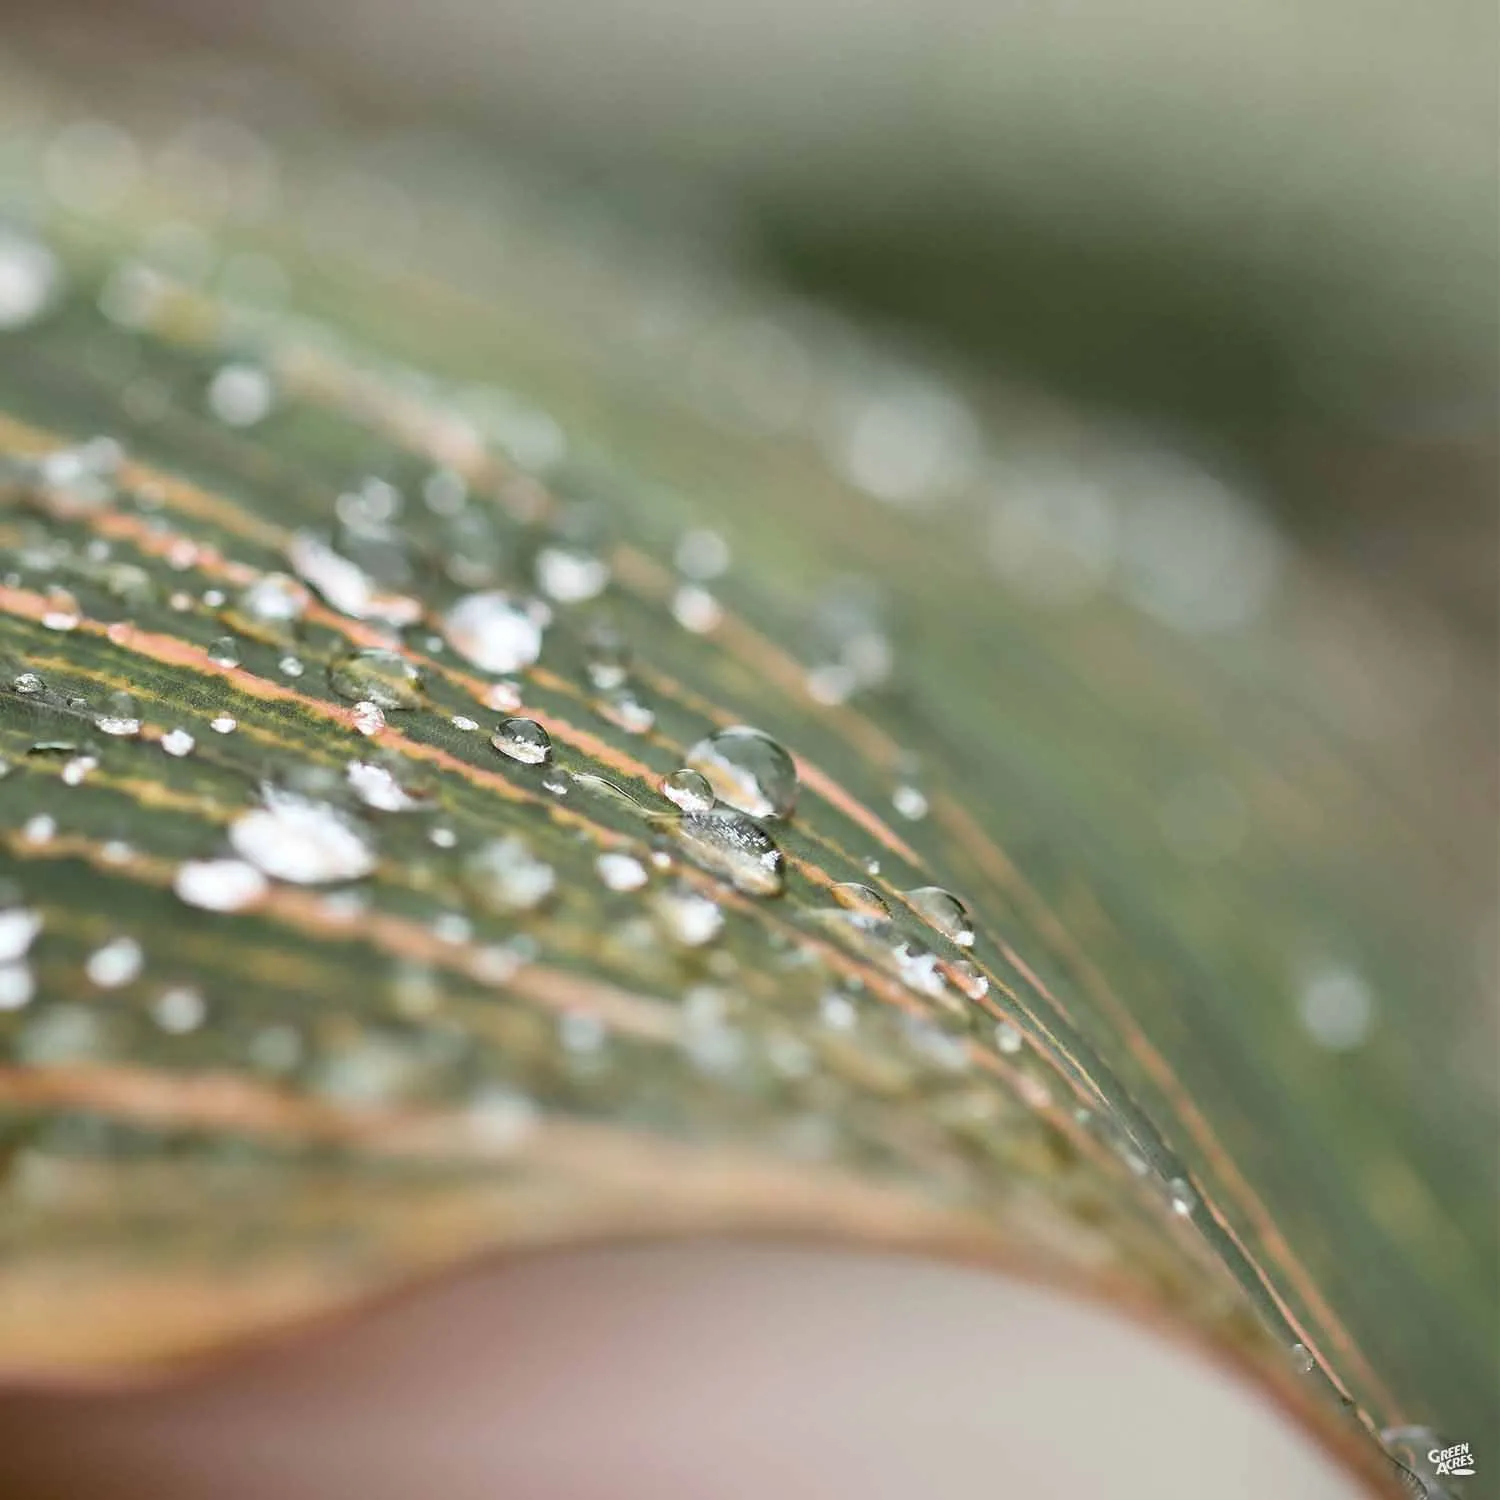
323, 973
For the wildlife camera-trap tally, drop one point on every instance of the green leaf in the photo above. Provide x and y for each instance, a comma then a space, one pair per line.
304, 998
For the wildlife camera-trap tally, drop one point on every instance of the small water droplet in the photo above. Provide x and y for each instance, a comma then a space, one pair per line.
523, 740
687, 916
28, 684
967, 978
688, 790
270, 606
1008, 1037
464, 722
240, 395
224, 724
378, 786
620, 872
224, 651
695, 609
179, 1010
853, 896
368, 718
910, 803
301, 840
18, 929
379, 676
607, 655
120, 716
1302, 1359
570, 575
17, 986
496, 631
945, 912
346, 585
623, 709
747, 769
116, 963
219, 884
506, 875
178, 742
1183, 1199
702, 555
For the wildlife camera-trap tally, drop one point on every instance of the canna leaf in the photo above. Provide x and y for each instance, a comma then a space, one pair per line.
512, 736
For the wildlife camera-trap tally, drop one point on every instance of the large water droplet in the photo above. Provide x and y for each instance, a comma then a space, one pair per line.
495, 631
945, 912
728, 844
301, 840
379, 676
523, 740
747, 769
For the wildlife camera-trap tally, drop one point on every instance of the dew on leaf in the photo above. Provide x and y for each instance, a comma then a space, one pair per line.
301, 840
747, 769
119, 716
728, 844
624, 710
240, 395
853, 896
17, 986
114, 964
178, 742
179, 1010
347, 586
496, 631
218, 884
1008, 1037
944, 912
688, 790
505, 875
368, 718
224, 651
224, 724
523, 740
570, 575
18, 929
379, 676
620, 872
910, 803
378, 787
688, 916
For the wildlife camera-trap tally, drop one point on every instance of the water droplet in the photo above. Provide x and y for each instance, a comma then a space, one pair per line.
1183, 1199
368, 718
1008, 1037
376, 675
218, 884
28, 684
569, 575
607, 655
1302, 1359
40, 828
178, 742
116, 963
506, 875
377, 786
730, 845
290, 666
695, 609
1336, 1008
17, 986
495, 631
687, 916
853, 896
18, 929
623, 709
945, 912
29, 279
620, 872
688, 790
120, 716
224, 651
301, 840
346, 585
747, 769
224, 724
79, 767
240, 395
270, 606
179, 1010
910, 803
702, 555
523, 740
464, 722
967, 978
